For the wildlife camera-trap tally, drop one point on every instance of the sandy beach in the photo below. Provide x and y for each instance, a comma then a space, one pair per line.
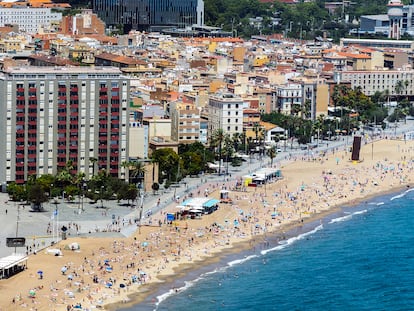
105, 272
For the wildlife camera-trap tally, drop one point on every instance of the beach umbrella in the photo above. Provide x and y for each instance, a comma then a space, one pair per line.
32, 293
64, 269
70, 277
144, 244
108, 269
40, 272
142, 273
121, 285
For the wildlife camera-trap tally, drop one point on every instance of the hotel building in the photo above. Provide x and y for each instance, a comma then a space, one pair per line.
50, 116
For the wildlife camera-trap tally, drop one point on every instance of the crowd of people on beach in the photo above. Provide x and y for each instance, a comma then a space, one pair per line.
119, 268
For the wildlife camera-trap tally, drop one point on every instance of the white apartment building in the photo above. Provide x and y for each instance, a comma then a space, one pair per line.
29, 19
379, 81
286, 96
225, 111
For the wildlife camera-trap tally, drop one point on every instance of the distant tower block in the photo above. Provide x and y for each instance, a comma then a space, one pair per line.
395, 14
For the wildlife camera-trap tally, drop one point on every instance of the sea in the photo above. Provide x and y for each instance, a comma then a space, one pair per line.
360, 258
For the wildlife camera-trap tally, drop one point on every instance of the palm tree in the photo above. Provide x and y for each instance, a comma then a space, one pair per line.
93, 160
217, 139
237, 140
271, 153
399, 87
256, 129
318, 124
137, 170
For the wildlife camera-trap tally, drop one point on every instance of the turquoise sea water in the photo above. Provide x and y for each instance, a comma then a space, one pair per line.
359, 259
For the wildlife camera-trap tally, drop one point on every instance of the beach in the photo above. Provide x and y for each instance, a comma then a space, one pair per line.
107, 272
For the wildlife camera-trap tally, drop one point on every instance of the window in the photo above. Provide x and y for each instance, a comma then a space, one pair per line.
228, 120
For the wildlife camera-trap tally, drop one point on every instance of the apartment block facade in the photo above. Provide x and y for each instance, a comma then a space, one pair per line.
185, 122
29, 19
380, 81
50, 116
225, 111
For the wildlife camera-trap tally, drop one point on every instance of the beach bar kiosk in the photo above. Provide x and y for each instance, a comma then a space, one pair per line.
12, 265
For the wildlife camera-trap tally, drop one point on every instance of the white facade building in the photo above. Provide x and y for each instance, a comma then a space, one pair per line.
380, 81
287, 96
29, 19
225, 111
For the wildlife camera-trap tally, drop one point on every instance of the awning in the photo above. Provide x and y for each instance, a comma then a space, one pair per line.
12, 260
211, 203
186, 202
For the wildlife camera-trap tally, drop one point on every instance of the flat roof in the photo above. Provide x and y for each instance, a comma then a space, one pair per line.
62, 70
12, 260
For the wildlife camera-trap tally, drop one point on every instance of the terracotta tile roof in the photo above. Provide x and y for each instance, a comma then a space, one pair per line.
120, 59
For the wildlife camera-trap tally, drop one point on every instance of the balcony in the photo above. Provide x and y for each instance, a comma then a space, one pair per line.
32, 122
20, 97
74, 89
20, 139
32, 139
32, 156
103, 89
62, 114
113, 171
19, 163
32, 131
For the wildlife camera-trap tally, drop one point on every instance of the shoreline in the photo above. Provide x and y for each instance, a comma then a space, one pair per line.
145, 299
312, 189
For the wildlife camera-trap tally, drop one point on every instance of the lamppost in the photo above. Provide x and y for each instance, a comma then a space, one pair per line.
140, 207
56, 218
102, 189
84, 185
17, 224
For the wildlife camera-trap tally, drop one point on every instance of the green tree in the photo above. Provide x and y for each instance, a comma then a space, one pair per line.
168, 163
36, 196
271, 153
217, 139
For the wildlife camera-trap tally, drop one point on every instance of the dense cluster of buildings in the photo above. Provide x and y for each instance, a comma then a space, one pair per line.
72, 93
